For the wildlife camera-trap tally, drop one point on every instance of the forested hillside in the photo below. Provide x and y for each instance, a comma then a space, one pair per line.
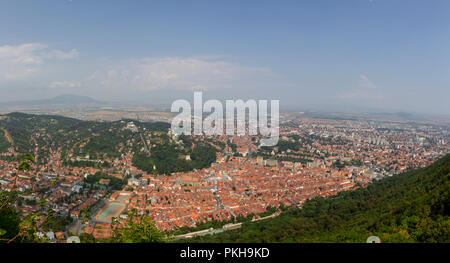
90, 143
409, 207
41, 134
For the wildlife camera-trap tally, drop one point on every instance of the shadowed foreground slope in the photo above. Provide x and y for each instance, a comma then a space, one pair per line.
409, 207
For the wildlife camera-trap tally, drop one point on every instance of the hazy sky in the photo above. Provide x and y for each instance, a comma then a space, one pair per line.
391, 54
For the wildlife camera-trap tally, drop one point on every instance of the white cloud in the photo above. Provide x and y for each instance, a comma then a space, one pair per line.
365, 83
64, 84
20, 52
21, 61
366, 90
33, 65
175, 73
58, 54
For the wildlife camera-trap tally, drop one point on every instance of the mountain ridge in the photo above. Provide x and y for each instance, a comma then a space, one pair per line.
64, 99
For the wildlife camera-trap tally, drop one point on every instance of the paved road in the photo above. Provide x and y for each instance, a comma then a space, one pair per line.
219, 230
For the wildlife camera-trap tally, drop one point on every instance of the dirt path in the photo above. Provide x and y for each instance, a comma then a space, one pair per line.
8, 136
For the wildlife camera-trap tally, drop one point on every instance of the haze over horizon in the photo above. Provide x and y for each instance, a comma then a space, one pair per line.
392, 55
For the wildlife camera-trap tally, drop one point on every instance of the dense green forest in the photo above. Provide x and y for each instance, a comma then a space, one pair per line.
409, 207
87, 164
114, 182
166, 158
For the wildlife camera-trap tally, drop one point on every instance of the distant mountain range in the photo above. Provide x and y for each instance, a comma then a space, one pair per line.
67, 99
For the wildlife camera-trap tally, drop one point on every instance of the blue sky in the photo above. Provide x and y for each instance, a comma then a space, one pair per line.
390, 55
